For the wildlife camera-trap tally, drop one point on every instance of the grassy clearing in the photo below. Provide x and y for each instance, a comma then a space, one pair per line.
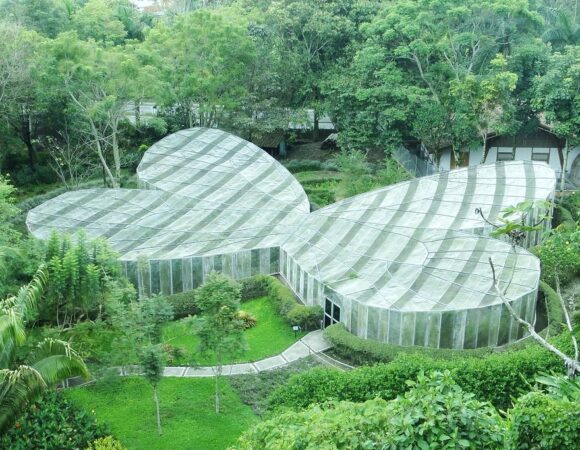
187, 413
269, 337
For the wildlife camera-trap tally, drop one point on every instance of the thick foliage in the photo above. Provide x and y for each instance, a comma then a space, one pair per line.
106, 443
183, 304
52, 423
496, 378
539, 421
572, 204
434, 413
81, 277
559, 256
308, 317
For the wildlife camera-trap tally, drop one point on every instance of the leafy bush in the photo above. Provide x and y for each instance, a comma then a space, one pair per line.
563, 218
538, 421
434, 413
495, 378
52, 423
248, 320
308, 165
308, 317
358, 351
254, 287
302, 165
572, 204
183, 304
560, 256
286, 305
106, 443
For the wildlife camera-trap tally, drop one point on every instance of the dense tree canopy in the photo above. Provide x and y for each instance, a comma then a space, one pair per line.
445, 72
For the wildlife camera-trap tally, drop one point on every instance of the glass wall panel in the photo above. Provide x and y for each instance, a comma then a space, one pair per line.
165, 277
176, 273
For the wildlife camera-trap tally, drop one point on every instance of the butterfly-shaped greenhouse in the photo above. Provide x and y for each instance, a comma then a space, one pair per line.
405, 264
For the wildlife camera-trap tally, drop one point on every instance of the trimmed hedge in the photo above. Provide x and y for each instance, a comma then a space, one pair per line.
308, 165
497, 378
308, 317
539, 421
358, 351
183, 304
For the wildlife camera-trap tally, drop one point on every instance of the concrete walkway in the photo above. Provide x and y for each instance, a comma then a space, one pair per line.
310, 344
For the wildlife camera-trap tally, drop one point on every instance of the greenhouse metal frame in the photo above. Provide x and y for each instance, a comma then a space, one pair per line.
405, 264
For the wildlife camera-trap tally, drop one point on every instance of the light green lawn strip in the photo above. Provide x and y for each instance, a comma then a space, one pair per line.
271, 335
188, 416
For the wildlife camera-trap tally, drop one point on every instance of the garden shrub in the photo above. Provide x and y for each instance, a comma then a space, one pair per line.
572, 204
106, 443
247, 319
302, 165
308, 165
559, 256
434, 413
563, 218
183, 304
53, 423
539, 421
497, 378
254, 287
358, 351
295, 313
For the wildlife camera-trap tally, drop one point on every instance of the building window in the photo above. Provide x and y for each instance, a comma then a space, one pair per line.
541, 154
506, 154
331, 313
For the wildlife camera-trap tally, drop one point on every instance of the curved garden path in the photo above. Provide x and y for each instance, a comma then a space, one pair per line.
311, 344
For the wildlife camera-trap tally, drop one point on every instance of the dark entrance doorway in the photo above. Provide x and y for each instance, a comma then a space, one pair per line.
331, 313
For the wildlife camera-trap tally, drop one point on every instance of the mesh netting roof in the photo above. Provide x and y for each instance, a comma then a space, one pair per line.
214, 193
411, 246
407, 246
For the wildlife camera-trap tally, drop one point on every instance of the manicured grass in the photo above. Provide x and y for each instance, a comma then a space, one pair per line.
269, 337
188, 416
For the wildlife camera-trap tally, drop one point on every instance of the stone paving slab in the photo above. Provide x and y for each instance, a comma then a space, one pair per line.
174, 371
238, 369
316, 341
270, 363
296, 351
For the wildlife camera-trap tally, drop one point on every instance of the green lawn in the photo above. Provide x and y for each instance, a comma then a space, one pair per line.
269, 337
188, 417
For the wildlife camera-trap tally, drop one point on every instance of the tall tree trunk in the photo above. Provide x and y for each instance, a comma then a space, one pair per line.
484, 149
156, 398
102, 157
217, 388
564, 167
116, 153
315, 126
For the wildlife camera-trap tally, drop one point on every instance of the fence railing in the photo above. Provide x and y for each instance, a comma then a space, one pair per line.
417, 166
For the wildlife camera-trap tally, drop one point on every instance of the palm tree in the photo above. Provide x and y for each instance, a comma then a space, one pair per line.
21, 381
563, 29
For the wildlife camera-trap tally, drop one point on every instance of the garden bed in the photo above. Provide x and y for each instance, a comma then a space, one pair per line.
270, 336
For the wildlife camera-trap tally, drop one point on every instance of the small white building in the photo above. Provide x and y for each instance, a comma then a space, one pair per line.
541, 145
